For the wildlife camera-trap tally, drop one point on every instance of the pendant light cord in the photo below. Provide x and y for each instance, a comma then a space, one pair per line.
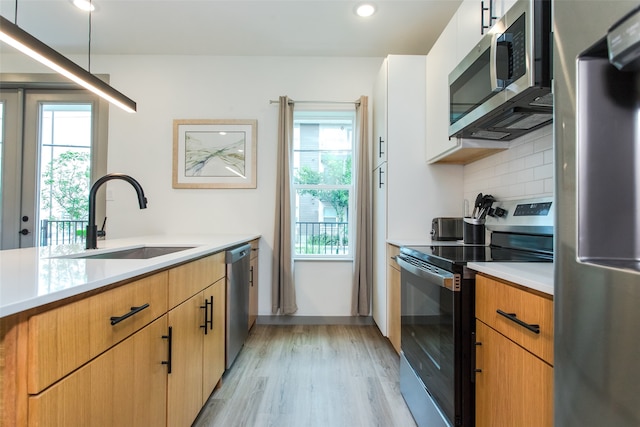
89, 49
15, 18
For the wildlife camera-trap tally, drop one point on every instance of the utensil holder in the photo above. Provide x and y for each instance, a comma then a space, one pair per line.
473, 231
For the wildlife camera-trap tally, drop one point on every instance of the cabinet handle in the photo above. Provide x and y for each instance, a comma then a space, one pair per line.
251, 276
210, 321
474, 344
206, 315
117, 319
491, 16
380, 173
168, 337
512, 316
380, 142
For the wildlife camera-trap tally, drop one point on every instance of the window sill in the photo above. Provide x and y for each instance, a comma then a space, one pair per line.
322, 259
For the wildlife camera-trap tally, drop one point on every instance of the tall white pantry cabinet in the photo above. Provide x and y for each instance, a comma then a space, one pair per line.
407, 192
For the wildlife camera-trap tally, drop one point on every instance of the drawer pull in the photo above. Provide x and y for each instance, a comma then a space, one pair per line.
512, 316
115, 319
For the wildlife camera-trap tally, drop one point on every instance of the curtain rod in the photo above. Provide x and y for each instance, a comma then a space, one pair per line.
271, 101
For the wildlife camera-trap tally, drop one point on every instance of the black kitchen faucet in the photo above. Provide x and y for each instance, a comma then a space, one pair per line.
92, 229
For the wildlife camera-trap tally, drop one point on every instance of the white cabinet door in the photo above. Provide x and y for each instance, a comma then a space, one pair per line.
502, 6
380, 117
469, 22
379, 297
440, 62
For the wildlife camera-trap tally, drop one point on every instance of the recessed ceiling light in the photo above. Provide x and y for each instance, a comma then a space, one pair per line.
366, 9
85, 5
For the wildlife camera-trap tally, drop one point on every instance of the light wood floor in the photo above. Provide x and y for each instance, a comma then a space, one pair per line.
310, 376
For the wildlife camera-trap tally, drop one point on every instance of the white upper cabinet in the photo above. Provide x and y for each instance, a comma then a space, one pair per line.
380, 116
469, 22
441, 60
459, 37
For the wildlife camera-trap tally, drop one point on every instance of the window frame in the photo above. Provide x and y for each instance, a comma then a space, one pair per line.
318, 113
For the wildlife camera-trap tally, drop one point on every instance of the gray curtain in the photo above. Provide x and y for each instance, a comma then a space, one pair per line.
283, 292
363, 257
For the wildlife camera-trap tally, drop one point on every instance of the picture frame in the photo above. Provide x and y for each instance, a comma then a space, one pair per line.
214, 153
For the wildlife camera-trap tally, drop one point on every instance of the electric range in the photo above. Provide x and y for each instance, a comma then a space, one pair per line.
437, 308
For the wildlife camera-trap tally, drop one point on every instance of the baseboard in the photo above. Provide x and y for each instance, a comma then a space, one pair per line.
315, 320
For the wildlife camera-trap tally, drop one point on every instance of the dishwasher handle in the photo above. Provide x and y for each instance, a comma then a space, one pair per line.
236, 254
433, 275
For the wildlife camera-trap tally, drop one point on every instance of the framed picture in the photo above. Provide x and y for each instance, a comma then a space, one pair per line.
214, 153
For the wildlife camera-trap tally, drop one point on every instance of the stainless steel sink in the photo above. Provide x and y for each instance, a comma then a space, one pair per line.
143, 252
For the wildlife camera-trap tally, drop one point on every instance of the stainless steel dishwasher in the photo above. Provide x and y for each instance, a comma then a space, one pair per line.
238, 266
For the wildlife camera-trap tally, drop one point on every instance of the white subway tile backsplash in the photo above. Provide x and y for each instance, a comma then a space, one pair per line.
526, 169
549, 186
534, 160
534, 188
542, 172
516, 164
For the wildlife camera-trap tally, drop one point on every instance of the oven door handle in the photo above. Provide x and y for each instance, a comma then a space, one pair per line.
445, 280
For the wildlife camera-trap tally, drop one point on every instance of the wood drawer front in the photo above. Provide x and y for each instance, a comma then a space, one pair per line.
493, 295
187, 280
125, 386
62, 339
392, 251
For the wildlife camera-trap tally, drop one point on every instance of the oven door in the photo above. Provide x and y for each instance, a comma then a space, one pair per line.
430, 303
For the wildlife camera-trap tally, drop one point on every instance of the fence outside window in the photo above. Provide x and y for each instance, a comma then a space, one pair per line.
322, 238
62, 232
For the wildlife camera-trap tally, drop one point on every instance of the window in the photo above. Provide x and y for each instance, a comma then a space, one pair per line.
54, 140
322, 184
65, 171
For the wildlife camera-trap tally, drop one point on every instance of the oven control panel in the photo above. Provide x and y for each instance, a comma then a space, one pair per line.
530, 216
533, 209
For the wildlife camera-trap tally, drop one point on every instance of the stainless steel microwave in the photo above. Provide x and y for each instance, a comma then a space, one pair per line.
502, 88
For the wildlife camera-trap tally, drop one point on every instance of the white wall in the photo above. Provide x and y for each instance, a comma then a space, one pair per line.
524, 170
202, 87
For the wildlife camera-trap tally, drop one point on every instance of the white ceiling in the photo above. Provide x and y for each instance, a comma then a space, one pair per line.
234, 27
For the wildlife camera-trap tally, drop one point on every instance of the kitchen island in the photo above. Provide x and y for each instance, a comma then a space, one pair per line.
33, 277
95, 341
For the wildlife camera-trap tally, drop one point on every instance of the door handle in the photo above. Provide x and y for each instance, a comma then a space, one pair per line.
24, 232
206, 315
168, 337
210, 320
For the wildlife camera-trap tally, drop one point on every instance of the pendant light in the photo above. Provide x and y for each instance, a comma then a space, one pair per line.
14, 36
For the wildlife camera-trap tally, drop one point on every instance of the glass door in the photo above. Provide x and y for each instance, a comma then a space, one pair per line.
46, 202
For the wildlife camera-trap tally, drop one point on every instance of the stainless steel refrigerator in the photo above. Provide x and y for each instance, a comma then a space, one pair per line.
597, 278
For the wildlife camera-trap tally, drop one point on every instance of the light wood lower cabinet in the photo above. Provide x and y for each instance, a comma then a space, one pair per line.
62, 339
514, 371
253, 283
213, 351
104, 359
124, 386
197, 346
197, 359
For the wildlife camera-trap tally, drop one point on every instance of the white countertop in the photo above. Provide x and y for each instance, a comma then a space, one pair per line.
32, 277
534, 275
